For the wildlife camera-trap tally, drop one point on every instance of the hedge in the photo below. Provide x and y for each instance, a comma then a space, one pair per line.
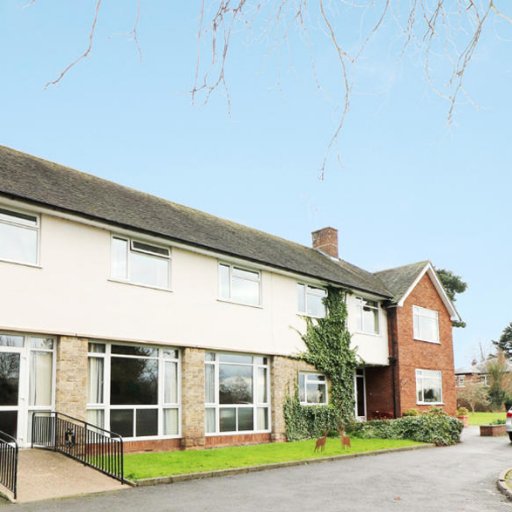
432, 427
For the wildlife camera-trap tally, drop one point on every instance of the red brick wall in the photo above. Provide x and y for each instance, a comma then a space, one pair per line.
237, 440
413, 354
156, 445
379, 392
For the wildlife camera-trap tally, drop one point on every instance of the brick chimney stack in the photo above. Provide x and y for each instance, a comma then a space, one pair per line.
326, 241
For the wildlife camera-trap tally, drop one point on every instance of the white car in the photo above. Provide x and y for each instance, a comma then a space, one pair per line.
508, 424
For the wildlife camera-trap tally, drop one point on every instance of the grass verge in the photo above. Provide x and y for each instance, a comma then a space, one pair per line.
162, 464
484, 418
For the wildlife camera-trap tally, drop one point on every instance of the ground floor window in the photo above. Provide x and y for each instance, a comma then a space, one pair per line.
312, 389
237, 393
134, 390
429, 387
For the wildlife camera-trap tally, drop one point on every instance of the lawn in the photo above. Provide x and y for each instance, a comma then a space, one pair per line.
484, 418
151, 465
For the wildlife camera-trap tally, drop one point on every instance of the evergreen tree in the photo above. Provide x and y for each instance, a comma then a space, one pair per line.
505, 342
453, 285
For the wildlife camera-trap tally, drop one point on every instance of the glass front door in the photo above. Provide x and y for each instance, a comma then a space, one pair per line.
360, 394
9, 392
26, 382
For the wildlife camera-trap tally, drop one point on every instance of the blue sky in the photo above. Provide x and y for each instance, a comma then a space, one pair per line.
407, 186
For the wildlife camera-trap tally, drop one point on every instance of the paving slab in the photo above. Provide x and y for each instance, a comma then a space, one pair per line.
46, 475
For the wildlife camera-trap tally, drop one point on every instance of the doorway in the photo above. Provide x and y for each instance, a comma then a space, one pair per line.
27, 382
360, 386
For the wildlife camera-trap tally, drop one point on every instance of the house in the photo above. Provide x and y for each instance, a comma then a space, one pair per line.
177, 329
476, 373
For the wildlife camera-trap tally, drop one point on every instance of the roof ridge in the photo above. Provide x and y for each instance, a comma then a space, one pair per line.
423, 262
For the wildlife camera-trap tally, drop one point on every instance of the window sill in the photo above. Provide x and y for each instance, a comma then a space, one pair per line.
240, 433
227, 301
429, 403
375, 335
310, 316
306, 404
428, 341
140, 285
30, 265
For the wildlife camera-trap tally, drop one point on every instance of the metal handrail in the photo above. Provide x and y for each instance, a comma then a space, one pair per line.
9, 463
89, 444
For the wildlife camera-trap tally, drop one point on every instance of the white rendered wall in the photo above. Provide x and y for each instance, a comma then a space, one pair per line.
72, 294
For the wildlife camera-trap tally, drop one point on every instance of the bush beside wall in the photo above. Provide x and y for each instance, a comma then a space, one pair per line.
431, 427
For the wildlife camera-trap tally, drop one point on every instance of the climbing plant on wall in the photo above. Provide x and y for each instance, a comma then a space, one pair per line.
328, 349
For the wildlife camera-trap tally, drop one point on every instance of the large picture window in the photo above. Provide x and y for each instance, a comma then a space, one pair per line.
310, 300
239, 285
237, 393
140, 263
426, 324
429, 387
19, 234
367, 316
134, 390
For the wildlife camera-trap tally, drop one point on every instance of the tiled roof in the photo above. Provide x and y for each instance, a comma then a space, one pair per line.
38, 181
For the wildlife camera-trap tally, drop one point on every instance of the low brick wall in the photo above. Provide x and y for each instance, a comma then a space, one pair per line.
157, 445
236, 440
492, 430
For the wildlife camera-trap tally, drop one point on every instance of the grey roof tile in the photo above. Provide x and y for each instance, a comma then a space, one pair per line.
398, 280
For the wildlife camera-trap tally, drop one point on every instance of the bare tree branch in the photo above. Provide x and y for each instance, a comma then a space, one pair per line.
85, 53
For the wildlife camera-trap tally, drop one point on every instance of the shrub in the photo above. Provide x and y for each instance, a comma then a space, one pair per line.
462, 411
498, 422
308, 421
411, 412
432, 427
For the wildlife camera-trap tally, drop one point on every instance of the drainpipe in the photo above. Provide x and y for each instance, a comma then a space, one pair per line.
393, 358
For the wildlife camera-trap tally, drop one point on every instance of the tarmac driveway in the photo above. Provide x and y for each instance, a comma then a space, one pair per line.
457, 478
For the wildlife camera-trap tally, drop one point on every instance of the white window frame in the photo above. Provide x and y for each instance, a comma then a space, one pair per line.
37, 228
361, 303
255, 405
460, 381
106, 407
308, 291
130, 249
420, 312
312, 378
430, 374
230, 298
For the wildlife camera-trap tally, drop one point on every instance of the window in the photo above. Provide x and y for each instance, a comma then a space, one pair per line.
426, 324
459, 380
429, 387
310, 300
237, 393
134, 390
484, 379
367, 316
312, 389
19, 234
140, 263
239, 285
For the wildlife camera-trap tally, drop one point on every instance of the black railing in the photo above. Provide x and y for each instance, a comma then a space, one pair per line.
9, 462
82, 441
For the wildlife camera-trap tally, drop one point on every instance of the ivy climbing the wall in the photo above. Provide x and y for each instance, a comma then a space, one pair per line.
328, 349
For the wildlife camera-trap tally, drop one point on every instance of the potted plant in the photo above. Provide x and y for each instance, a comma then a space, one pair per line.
463, 415
493, 429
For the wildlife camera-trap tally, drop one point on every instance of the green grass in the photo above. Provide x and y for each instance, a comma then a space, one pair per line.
160, 464
484, 418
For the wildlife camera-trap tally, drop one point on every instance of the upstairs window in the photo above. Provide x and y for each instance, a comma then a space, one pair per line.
140, 263
312, 389
426, 324
368, 316
19, 234
310, 300
239, 285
